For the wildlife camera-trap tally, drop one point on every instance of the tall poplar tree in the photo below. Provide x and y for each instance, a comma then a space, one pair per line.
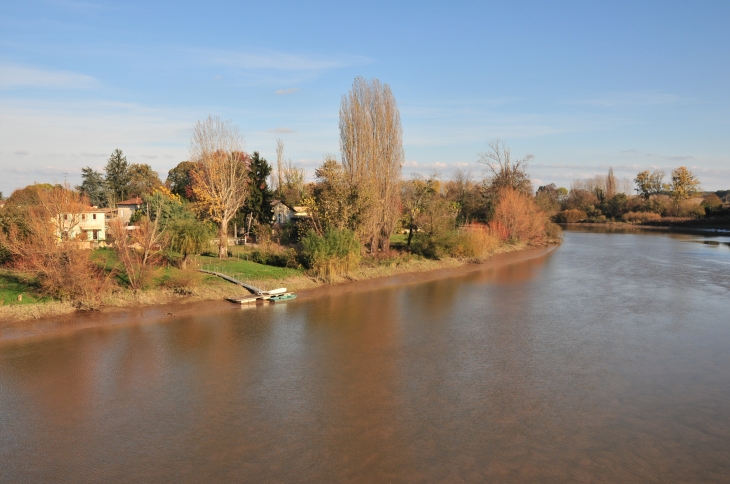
371, 143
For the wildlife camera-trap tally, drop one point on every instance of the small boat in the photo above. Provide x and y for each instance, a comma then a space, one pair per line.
246, 299
279, 294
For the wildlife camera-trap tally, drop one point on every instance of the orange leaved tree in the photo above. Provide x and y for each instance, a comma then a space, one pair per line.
519, 218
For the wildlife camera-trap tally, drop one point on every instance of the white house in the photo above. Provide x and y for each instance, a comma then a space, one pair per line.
89, 225
283, 213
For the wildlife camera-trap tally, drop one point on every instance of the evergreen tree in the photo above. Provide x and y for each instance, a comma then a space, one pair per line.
260, 196
118, 177
93, 186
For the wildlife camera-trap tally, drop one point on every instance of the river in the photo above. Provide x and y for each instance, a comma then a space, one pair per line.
607, 360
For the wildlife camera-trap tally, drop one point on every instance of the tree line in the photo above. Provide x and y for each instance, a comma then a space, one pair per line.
357, 205
604, 198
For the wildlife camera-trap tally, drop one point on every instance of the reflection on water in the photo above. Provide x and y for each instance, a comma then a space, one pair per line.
605, 361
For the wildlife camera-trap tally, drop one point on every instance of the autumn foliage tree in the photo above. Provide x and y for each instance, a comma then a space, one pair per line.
684, 184
220, 183
332, 201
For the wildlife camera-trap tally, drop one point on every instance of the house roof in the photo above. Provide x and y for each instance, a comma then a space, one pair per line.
274, 203
131, 201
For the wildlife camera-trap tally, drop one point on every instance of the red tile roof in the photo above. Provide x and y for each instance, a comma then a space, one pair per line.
131, 201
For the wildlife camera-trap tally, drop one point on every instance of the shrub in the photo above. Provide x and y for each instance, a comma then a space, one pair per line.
474, 241
434, 246
598, 219
661, 204
334, 253
641, 217
521, 216
691, 210
553, 232
273, 255
712, 203
570, 216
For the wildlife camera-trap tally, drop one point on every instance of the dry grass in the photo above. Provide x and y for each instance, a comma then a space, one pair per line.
35, 311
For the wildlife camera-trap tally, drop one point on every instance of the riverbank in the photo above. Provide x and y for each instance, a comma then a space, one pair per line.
667, 227
159, 305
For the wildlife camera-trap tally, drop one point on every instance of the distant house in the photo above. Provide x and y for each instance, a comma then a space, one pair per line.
283, 213
126, 209
89, 225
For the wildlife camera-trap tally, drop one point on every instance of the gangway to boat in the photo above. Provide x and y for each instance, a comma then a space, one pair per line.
251, 289
257, 294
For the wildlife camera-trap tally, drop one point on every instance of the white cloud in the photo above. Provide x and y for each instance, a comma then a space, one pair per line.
14, 76
72, 135
279, 60
286, 91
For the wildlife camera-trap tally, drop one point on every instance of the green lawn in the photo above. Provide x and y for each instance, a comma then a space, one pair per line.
11, 285
246, 270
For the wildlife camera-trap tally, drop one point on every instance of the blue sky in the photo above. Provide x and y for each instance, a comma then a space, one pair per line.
580, 85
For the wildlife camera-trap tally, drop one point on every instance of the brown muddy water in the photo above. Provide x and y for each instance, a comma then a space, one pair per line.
607, 360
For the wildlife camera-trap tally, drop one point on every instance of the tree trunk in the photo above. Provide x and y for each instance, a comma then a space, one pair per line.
223, 239
184, 262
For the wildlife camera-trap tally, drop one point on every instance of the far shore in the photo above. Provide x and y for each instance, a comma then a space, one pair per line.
708, 229
164, 308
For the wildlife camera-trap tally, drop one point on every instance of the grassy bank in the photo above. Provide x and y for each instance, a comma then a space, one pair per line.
168, 284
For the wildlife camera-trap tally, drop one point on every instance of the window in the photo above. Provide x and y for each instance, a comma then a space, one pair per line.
83, 216
95, 234
65, 216
94, 216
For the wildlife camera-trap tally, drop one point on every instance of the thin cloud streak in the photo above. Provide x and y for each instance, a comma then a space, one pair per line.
279, 60
13, 76
281, 92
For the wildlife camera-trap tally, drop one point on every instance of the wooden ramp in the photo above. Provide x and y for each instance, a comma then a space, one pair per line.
257, 294
251, 289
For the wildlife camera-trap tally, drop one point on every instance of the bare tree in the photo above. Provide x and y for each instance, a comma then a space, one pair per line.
504, 171
137, 249
221, 183
371, 143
